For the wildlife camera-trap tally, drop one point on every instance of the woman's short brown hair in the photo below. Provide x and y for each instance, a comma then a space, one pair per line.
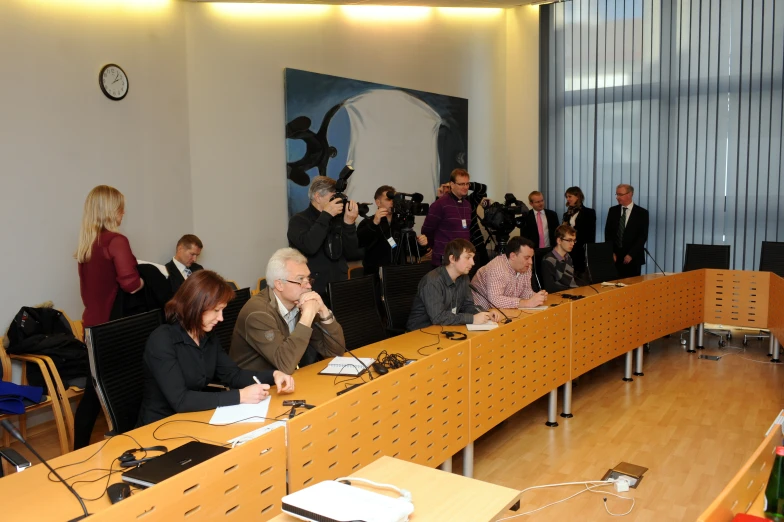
575, 191
202, 291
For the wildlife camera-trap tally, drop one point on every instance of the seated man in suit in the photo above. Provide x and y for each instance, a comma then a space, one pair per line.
183, 264
506, 280
627, 229
286, 325
443, 296
557, 266
540, 223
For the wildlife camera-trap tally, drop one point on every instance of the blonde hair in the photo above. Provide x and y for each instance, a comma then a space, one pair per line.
102, 210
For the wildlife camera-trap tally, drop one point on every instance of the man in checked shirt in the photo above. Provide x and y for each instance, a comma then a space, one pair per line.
506, 280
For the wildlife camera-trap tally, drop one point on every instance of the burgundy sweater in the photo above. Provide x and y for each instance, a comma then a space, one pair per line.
444, 222
111, 266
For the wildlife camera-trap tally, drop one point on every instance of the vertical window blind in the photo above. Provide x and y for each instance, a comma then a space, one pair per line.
682, 99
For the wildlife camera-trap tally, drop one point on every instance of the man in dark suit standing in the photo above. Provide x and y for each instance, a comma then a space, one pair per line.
183, 264
539, 224
627, 229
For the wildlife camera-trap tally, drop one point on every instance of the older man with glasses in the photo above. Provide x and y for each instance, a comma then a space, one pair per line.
287, 324
557, 266
627, 229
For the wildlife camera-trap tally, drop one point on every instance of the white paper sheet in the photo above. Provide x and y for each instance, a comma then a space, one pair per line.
241, 413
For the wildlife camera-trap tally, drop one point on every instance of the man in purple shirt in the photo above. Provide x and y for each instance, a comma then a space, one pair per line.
449, 217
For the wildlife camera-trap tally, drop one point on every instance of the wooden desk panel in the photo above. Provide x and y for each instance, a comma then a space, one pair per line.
776, 308
515, 364
417, 413
737, 298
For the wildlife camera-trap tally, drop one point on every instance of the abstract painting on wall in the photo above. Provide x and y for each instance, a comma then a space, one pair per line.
409, 139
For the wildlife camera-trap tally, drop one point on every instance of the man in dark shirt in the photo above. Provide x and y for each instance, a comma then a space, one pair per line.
183, 264
381, 238
557, 266
326, 234
443, 296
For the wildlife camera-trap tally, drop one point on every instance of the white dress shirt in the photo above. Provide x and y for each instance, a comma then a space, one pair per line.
180, 267
291, 317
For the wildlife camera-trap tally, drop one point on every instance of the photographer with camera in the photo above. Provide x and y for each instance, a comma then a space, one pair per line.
388, 237
326, 232
453, 216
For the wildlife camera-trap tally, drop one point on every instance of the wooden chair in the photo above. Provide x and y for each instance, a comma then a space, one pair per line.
261, 285
46, 401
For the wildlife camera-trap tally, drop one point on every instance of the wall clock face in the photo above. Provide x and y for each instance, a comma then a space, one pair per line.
113, 82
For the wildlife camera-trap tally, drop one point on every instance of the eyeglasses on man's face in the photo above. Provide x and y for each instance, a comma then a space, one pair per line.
569, 240
305, 281
620, 194
462, 184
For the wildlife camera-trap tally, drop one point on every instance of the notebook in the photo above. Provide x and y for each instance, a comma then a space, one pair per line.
489, 325
170, 463
346, 366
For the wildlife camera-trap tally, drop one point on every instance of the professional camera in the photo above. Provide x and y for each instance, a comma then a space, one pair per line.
502, 218
341, 185
405, 207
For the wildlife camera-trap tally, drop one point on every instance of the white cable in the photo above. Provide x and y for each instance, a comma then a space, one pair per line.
598, 483
593, 490
404, 494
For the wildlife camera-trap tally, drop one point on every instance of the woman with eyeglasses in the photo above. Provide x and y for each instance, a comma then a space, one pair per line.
184, 356
583, 220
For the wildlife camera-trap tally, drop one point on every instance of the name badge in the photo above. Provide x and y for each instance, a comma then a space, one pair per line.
464, 224
454, 310
391, 242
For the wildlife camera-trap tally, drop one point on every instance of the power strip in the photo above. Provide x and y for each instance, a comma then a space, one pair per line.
247, 437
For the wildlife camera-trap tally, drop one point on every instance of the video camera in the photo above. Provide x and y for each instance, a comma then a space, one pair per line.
405, 207
502, 218
341, 185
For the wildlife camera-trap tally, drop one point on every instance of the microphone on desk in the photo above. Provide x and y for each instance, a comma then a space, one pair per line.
320, 327
654, 261
11, 429
589, 285
472, 287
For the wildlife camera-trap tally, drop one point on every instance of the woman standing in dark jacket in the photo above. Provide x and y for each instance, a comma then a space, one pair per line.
583, 220
106, 264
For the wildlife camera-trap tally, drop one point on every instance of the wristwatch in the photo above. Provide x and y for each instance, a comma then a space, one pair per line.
327, 318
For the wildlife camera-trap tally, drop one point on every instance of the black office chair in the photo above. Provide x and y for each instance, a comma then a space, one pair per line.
225, 328
116, 352
261, 284
539, 253
354, 306
599, 264
699, 256
399, 286
771, 260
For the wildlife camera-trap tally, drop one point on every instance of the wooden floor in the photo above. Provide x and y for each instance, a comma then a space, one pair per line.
692, 422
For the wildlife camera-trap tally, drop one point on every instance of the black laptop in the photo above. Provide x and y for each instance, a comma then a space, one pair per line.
169, 464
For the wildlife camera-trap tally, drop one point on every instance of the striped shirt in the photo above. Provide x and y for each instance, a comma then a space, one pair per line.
502, 284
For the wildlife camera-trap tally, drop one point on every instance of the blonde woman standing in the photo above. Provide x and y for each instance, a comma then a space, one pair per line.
106, 264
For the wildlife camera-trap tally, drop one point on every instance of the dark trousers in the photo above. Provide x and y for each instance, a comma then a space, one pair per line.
630, 270
86, 414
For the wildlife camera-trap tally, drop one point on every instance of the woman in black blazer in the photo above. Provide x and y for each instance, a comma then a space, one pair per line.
583, 219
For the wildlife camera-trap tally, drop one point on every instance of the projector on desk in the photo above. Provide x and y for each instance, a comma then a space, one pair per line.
331, 501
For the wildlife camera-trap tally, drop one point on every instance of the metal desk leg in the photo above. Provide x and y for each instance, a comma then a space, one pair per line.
447, 465
627, 368
468, 460
638, 362
776, 349
567, 400
691, 340
552, 406
701, 336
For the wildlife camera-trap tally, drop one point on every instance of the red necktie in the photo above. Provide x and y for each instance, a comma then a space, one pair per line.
541, 228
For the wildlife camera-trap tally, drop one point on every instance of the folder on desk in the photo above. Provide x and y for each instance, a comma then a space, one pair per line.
346, 366
170, 463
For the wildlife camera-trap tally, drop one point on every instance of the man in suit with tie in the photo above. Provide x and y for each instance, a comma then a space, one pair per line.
183, 264
539, 224
627, 229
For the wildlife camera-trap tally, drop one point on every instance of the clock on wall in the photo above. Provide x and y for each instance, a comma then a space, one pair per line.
113, 82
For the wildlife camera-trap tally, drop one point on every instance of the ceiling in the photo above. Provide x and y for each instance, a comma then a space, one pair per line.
425, 3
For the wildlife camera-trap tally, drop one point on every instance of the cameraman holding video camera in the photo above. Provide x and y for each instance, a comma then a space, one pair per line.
388, 237
326, 233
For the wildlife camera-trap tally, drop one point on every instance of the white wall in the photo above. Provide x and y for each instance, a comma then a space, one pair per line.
235, 71
198, 144
60, 136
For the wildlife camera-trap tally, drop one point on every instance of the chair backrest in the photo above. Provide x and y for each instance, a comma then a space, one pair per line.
772, 257
706, 256
116, 351
225, 328
262, 284
232, 284
399, 287
356, 271
354, 306
599, 264
539, 254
